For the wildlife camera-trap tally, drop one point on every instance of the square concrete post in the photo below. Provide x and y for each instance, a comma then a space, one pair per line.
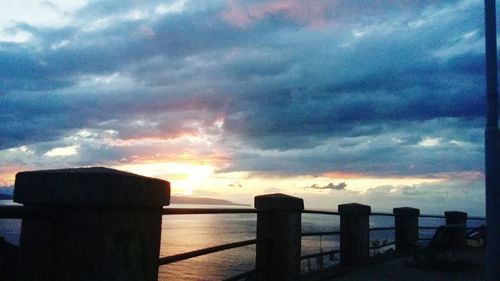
406, 227
458, 218
106, 225
355, 236
279, 219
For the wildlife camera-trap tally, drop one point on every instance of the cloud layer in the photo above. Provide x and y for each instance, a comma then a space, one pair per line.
265, 87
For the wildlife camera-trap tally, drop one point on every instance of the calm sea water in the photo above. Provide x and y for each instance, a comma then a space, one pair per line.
183, 233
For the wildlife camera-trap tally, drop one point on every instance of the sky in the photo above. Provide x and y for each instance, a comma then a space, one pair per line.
335, 101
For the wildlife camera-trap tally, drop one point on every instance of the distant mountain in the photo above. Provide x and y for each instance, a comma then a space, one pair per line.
6, 193
202, 200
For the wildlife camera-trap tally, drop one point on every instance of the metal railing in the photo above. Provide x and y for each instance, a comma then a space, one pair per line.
20, 212
427, 227
374, 246
320, 234
213, 249
205, 251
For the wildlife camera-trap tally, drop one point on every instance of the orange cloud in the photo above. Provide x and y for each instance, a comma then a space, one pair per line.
313, 13
8, 174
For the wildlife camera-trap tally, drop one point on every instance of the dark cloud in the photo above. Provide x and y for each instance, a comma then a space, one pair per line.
399, 149
235, 184
331, 186
353, 92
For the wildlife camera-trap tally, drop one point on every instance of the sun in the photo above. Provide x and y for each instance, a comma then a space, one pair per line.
184, 178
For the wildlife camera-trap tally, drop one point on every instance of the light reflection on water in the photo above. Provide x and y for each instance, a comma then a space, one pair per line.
183, 233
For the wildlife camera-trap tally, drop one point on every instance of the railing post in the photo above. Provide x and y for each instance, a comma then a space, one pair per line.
458, 218
406, 227
279, 219
355, 234
106, 225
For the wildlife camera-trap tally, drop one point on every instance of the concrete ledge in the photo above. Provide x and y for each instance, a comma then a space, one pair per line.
354, 208
405, 211
455, 214
278, 201
96, 186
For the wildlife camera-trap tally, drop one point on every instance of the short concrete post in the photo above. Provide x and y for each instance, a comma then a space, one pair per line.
406, 227
458, 218
455, 217
355, 237
279, 219
107, 225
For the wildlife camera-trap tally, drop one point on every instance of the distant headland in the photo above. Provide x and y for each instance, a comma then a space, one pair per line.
7, 191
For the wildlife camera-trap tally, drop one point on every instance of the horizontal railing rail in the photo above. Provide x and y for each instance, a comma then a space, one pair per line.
476, 218
320, 212
196, 253
320, 233
242, 275
381, 228
432, 216
203, 211
382, 245
382, 214
305, 257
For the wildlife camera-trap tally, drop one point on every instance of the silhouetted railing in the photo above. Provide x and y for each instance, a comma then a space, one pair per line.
381, 243
213, 249
22, 212
320, 233
463, 219
206, 251
319, 255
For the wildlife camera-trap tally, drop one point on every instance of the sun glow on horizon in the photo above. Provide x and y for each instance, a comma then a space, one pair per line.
195, 178
183, 177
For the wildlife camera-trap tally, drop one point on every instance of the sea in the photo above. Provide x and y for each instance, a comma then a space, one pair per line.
184, 233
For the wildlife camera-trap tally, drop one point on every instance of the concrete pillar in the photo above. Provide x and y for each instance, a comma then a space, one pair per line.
278, 218
458, 218
455, 217
492, 146
406, 227
492, 157
355, 237
107, 225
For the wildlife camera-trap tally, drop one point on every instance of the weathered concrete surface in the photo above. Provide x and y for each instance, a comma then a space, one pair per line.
8, 260
406, 227
278, 201
279, 220
90, 186
456, 217
355, 238
106, 227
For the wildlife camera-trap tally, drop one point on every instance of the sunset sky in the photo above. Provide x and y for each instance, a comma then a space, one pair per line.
231, 99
